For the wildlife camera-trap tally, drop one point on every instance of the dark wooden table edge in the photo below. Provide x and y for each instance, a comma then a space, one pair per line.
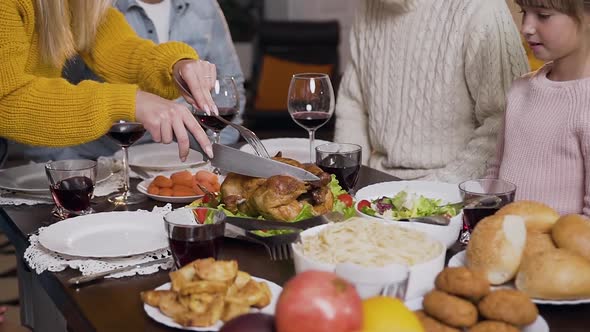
48, 280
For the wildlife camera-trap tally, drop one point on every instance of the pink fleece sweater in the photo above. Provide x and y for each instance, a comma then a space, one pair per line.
545, 145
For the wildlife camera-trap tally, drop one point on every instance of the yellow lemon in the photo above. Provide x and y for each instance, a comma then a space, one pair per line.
386, 314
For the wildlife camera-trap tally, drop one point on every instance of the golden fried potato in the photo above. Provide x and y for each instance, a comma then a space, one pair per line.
153, 297
170, 306
266, 296
182, 276
251, 294
209, 269
200, 303
242, 279
232, 310
204, 286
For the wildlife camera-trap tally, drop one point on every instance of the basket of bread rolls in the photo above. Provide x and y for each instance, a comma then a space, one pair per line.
529, 246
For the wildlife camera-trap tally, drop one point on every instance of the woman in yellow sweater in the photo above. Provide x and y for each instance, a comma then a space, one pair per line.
38, 107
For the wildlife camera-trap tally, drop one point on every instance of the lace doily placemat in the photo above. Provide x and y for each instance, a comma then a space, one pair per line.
41, 259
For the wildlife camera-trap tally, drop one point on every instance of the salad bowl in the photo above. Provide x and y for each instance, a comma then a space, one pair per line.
417, 199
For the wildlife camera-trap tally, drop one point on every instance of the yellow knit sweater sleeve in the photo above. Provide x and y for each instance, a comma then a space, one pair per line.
120, 56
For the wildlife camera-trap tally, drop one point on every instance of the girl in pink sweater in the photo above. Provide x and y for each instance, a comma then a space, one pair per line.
545, 146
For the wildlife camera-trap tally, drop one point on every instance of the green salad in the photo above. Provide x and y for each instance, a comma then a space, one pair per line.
406, 205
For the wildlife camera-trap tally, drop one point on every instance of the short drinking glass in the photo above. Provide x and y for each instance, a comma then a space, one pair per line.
194, 233
71, 183
341, 159
482, 198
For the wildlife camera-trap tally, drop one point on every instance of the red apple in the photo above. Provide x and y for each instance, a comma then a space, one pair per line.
318, 301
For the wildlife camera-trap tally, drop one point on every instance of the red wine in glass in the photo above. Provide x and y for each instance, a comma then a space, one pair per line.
345, 169
311, 120
185, 251
74, 193
212, 123
126, 133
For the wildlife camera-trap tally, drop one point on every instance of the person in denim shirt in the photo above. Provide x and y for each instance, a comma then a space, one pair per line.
199, 23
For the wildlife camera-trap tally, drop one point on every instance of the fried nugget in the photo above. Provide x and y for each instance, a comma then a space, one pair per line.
510, 306
210, 269
182, 276
432, 325
153, 297
493, 326
450, 309
184, 178
463, 282
204, 286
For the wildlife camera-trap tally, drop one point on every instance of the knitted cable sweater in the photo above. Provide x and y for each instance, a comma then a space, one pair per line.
425, 91
545, 146
38, 107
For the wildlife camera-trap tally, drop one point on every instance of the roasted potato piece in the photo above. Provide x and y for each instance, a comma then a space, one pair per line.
242, 279
232, 310
209, 269
181, 277
208, 318
266, 295
171, 306
251, 294
204, 286
153, 297
162, 182
184, 178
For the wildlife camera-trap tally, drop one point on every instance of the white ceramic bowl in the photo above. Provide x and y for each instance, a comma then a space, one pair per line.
421, 275
447, 192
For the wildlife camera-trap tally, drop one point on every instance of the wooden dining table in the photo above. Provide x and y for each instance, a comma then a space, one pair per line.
49, 303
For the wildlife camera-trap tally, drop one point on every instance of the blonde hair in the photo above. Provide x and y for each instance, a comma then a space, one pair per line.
573, 8
67, 26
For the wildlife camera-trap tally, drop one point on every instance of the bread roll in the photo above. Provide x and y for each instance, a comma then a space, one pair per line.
572, 232
496, 247
555, 275
538, 217
537, 242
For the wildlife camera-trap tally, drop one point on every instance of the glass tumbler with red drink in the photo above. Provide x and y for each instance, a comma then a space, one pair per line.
71, 183
482, 198
341, 159
194, 233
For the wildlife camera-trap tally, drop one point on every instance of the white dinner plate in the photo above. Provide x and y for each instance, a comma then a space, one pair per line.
160, 157
107, 234
447, 192
539, 325
294, 148
159, 317
31, 178
460, 259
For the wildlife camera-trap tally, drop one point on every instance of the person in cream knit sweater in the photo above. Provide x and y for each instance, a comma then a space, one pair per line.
425, 92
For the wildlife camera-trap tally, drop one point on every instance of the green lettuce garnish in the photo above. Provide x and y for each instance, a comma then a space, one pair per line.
339, 206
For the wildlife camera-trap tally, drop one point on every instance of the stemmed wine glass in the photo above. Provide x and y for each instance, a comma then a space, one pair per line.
225, 96
311, 103
125, 134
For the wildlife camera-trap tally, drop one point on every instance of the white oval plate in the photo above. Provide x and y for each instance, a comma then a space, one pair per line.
142, 188
31, 178
159, 317
539, 325
160, 157
294, 148
447, 192
107, 234
459, 259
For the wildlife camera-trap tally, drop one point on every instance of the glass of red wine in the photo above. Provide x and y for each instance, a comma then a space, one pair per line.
225, 96
482, 198
71, 183
311, 103
341, 159
194, 233
126, 133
